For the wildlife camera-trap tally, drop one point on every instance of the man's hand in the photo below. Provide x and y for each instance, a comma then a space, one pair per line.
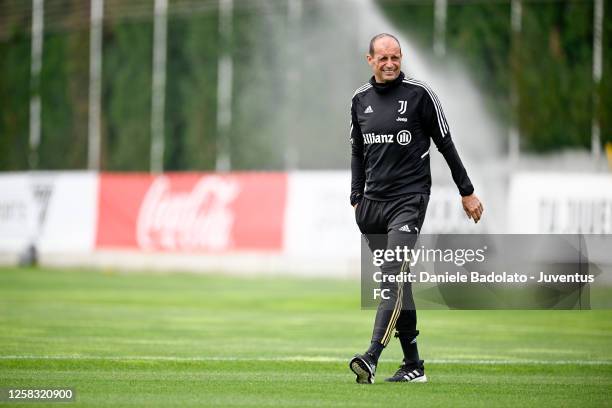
472, 207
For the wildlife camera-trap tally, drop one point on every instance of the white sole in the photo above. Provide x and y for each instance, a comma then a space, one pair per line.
422, 379
364, 376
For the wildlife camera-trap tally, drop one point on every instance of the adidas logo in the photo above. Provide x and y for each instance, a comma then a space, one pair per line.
405, 228
368, 110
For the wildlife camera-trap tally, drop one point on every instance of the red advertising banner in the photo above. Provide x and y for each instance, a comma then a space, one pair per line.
192, 212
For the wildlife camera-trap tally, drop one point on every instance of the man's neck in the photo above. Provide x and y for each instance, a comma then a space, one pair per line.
384, 86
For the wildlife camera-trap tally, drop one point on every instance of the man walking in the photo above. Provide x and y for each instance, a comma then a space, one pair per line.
393, 119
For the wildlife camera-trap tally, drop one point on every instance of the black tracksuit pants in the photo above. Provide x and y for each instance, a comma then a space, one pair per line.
387, 225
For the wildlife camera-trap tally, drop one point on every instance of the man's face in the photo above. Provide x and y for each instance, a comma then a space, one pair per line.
387, 59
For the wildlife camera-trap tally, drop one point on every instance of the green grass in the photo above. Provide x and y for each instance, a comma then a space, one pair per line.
199, 340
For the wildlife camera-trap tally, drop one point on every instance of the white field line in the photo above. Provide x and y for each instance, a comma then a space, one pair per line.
316, 359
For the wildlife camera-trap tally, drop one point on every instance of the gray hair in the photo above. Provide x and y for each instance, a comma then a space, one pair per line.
379, 36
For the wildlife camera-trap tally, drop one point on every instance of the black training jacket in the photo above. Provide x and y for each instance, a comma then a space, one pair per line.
391, 128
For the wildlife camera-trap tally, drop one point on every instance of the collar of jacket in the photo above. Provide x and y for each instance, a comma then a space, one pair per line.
387, 86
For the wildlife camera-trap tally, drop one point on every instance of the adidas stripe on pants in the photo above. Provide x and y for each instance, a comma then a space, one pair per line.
387, 225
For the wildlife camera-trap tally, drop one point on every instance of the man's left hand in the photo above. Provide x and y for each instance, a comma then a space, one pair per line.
472, 207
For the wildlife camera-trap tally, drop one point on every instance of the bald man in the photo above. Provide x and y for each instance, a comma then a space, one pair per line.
393, 120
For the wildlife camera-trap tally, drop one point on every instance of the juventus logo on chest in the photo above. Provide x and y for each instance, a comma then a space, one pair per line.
402, 108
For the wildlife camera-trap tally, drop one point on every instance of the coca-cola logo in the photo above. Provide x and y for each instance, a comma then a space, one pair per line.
200, 219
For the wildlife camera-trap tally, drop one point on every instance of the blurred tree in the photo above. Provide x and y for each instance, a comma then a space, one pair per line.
257, 92
554, 83
605, 87
191, 106
14, 98
56, 147
555, 78
78, 88
126, 95
479, 34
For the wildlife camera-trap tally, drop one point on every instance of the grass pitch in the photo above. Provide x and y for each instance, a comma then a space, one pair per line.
191, 340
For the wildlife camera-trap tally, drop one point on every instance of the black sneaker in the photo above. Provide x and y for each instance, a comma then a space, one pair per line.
364, 367
408, 374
